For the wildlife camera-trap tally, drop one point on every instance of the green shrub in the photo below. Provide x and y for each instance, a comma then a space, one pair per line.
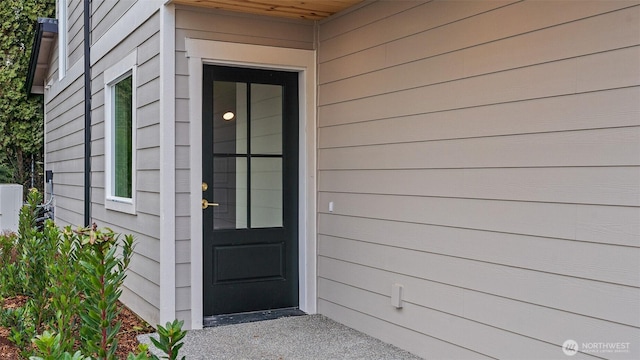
63, 274
22, 326
65, 290
169, 338
169, 341
26, 274
102, 275
9, 250
49, 347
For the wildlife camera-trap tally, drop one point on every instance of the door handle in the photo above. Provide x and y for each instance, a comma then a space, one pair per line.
206, 204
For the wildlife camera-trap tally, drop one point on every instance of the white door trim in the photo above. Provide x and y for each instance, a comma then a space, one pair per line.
202, 52
167, 163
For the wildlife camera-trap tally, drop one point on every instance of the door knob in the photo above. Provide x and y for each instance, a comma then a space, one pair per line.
206, 204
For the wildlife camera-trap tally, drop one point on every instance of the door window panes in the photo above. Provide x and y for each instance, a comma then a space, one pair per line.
229, 117
230, 192
247, 146
266, 192
266, 119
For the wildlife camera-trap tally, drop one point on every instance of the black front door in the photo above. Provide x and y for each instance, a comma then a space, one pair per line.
249, 189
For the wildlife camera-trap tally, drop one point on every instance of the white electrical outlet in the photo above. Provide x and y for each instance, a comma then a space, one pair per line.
330, 206
396, 295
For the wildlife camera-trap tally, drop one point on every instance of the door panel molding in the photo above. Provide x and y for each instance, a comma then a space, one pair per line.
225, 260
200, 52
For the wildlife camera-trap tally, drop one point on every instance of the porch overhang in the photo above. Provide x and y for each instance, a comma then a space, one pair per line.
293, 9
46, 31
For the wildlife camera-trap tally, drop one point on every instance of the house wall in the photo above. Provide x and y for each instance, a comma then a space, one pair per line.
142, 286
64, 140
198, 23
75, 26
104, 14
64, 126
485, 155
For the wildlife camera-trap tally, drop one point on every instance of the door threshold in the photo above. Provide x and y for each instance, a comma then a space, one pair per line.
247, 317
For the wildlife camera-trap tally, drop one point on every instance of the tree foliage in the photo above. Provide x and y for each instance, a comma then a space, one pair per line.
21, 118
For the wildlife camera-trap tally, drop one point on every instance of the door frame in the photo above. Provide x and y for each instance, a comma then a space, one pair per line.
200, 52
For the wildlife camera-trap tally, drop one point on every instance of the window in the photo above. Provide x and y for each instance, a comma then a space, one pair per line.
61, 12
122, 141
120, 135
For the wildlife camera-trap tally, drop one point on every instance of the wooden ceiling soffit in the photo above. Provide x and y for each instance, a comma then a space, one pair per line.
294, 9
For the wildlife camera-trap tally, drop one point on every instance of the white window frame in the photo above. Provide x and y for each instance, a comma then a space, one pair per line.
124, 68
61, 14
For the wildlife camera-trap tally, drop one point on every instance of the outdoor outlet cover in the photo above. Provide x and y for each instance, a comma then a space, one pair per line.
396, 296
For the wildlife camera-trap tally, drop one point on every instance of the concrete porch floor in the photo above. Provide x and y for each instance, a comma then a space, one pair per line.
299, 337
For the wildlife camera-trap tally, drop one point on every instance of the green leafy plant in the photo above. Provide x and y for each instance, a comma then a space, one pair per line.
142, 354
22, 325
38, 252
28, 214
27, 256
169, 339
48, 348
48, 345
65, 290
101, 278
63, 273
9, 250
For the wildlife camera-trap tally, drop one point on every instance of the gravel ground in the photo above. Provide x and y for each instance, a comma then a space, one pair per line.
300, 337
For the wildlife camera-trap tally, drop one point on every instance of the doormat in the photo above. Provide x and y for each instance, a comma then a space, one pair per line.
241, 318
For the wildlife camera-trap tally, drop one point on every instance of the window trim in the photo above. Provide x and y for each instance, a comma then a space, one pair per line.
113, 75
61, 13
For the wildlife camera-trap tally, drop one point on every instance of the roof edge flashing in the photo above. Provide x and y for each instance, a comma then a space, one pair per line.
43, 26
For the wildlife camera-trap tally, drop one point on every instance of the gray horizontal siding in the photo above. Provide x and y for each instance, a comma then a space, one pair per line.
186, 315
64, 124
226, 26
141, 289
445, 30
145, 307
594, 72
613, 224
495, 272
106, 13
414, 341
75, 35
569, 185
67, 213
591, 110
369, 14
468, 149
551, 44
